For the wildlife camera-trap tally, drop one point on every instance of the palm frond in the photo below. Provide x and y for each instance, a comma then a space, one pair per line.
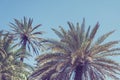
93, 32
103, 37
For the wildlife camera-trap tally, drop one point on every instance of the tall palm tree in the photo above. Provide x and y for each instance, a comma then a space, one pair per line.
9, 64
78, 56
27, 35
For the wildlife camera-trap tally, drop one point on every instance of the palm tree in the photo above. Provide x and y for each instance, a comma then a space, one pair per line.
25, 33
9, 64
78, 56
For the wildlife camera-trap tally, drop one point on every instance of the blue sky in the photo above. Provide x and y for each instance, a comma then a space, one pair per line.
52, 13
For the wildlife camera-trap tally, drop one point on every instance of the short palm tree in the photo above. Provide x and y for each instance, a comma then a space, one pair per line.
78, 56
27, 35
10, 68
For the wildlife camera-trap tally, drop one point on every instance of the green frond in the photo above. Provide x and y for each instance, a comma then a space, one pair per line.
36, 27
88, 33
40, 70
94, 30
107, 55
50, 55
103, 37
83, 26
107, 61
102, 48
71, 26
63, 31
59, 34
46, 74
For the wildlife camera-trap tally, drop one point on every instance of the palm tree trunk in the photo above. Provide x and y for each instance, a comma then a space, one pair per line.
22, 57
23, 52
78, 72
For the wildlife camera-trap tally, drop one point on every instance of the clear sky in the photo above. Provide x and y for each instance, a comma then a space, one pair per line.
52, 13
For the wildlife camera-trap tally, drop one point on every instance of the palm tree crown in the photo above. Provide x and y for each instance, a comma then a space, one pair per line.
27, 35
78, 55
